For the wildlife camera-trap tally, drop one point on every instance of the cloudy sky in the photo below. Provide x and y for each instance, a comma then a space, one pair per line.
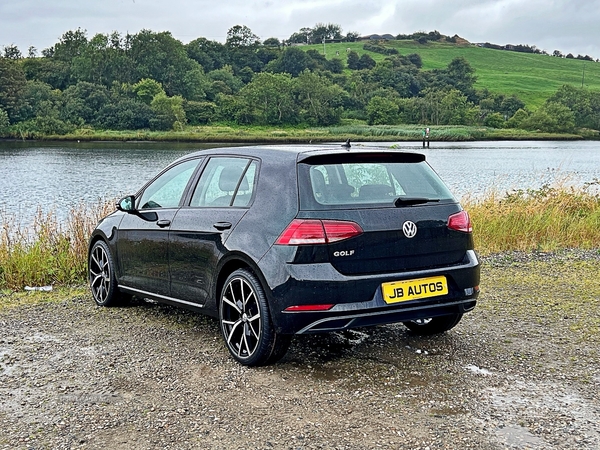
571, 26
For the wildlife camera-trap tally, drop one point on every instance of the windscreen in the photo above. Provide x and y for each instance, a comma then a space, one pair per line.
369, 182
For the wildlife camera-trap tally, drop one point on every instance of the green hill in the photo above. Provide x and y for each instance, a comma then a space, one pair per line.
533, 78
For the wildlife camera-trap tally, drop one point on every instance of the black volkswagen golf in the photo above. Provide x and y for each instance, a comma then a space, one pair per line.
276, 241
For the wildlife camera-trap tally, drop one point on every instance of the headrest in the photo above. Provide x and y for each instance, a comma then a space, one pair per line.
229, 178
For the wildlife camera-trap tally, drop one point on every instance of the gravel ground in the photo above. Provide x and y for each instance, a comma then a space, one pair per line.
521, 371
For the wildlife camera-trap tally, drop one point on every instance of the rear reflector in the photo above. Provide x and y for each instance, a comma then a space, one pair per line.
314, 232
305, 308
460, 222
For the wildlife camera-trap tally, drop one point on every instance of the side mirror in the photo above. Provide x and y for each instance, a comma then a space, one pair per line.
126, 204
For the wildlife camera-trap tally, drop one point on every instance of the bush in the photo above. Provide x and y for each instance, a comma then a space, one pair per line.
382, 111
126, 114
199, 113
4, 121
551, 118
517, 119
378, 48
494, 120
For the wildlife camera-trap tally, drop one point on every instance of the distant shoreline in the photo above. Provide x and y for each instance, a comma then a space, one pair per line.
354, 132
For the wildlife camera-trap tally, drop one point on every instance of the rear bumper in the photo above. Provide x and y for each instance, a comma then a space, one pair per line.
358, 300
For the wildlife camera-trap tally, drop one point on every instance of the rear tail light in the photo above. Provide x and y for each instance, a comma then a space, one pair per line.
314, 232
460, 222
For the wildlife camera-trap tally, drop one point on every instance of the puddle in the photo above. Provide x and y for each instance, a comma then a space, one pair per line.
478, 370
42, 337
516, 436
533, 400
5, 368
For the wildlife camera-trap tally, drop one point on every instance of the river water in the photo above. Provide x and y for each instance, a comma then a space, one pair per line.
59, 176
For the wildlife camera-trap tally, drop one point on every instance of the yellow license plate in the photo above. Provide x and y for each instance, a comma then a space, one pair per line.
403, 291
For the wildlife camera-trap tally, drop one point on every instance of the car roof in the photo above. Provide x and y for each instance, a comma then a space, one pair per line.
301, 152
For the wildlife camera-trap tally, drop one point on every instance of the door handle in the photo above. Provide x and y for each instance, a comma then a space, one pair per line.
222, 226
163, 223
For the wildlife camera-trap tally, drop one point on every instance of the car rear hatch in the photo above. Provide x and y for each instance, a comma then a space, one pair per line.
406, 218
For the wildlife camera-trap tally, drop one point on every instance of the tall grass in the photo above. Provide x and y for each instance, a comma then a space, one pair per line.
303, 134
47, 252
546, 219
52, 253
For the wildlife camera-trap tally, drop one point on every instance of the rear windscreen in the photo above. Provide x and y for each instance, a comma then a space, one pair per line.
368, 183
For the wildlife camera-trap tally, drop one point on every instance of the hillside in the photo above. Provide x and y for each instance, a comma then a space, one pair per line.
533, 78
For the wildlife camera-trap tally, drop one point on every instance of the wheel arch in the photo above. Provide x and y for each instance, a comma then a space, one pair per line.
231, 264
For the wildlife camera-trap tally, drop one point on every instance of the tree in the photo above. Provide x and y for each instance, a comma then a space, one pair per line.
4, 121
272, 42
352, 36
169, 113
457, 75
32, 99
103, 60
510, 105
393, 73
494, 120
199, 113
195, 83
82, 101
551, 117
293, 61
353, 60
322, 32
415, 60
366, 62
12, 83
320, 102
146, 89
382, 111
268, 99
581, 102
335, 65
48, 70
462, 75
160, 57
125, 114
241, 57
12, 52
517, 119
456, 109
222, 81
301, 37
70, 45
241, 36
211, 55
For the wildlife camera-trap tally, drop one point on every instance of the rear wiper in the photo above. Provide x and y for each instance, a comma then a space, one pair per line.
408, 201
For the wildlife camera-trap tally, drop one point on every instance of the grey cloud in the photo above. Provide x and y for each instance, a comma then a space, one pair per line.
570, 26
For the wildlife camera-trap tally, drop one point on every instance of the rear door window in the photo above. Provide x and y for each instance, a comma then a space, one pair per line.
368, 182
226, 182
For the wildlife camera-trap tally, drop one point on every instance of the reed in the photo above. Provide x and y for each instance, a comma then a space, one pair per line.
551, 218
47, 252
348, 129
546, 219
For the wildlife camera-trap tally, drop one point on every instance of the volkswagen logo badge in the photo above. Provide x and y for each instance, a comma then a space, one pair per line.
410, 229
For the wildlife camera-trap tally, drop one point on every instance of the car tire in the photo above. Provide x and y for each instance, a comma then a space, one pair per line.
101, 272
246, 322
433, 325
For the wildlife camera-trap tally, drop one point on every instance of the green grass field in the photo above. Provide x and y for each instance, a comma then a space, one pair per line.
533, 78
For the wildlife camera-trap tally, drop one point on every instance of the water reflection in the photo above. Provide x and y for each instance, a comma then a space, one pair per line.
61, 176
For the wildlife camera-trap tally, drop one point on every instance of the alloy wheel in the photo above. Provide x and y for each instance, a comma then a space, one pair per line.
100, 275
241, 318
